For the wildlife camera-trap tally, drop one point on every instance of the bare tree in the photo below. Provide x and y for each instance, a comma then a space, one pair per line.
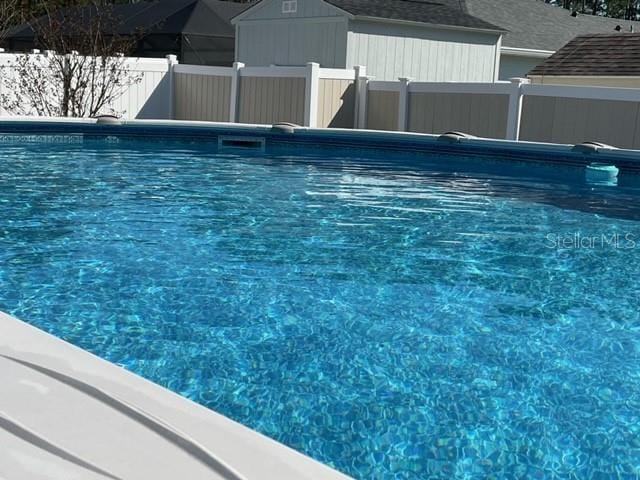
81, 72
9, 15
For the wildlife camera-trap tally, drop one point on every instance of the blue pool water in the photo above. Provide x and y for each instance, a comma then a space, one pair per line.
392, 318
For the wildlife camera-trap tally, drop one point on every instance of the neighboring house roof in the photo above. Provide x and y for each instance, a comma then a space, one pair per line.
448, 13
195, 17
434, 12
533, 24
595, 55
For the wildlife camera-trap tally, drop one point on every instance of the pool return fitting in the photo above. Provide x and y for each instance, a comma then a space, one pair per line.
284, 127
108, 120
454, 137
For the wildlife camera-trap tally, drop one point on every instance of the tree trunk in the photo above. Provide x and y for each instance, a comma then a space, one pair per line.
66, 87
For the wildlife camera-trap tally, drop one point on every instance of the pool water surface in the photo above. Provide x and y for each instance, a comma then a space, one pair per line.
391, 317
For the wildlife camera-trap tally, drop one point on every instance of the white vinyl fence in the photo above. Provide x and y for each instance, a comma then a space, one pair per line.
148, 97
310, 95
346, 98
515, 110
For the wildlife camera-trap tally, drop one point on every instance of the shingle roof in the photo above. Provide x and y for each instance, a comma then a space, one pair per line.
609, 55
435, 12
202, 17
537, 25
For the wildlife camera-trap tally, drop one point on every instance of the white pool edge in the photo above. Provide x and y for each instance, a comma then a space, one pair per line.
246, 452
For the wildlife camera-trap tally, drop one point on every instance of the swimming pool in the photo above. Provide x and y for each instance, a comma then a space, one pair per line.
392, 315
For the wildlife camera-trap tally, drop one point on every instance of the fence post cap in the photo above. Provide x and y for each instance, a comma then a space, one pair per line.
519, 80
238, 65
313, 64
405, 79
171, 58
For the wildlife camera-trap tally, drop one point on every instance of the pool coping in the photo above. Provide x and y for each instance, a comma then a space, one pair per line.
237, 452
627, 160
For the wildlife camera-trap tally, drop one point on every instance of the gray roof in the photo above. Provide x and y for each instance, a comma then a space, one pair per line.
435, 12
196, 17
537, 25
607, 55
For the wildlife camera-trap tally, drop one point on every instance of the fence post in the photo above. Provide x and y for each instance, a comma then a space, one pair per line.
360, 102
403, 104
235, 91
312, 83
2, 111
515, 108
172, 60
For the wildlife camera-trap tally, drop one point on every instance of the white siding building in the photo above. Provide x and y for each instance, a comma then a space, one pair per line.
426, 41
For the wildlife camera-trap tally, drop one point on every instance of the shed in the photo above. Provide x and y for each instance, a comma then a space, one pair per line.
197, 31
605, 60
426, 40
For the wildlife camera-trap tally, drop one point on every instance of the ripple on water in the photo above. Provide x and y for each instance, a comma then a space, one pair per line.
390, 319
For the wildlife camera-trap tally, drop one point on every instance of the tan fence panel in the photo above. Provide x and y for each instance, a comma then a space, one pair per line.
382, 110
268, 100
577, 120
336, 103
483, 115
202, 97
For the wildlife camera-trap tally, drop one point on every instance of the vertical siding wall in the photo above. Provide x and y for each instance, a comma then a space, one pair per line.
202, 97
577, 120
267, 100
428, 55
293, 43
315, 32
483, 115
336, 103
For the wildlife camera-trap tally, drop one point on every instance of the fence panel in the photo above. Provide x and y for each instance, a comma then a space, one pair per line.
382, 105
336, 103
149, 96
268, 100
579, 114
202, 95
315, 96
480, 114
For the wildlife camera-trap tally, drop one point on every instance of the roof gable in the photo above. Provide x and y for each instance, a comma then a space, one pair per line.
272, 10
595, 55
